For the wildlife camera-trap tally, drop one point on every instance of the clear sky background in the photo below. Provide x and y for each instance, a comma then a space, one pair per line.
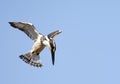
88, 49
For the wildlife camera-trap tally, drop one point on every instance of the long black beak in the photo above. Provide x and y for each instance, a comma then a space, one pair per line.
53, 56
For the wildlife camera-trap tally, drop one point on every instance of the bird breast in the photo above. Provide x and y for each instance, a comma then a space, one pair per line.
38, 46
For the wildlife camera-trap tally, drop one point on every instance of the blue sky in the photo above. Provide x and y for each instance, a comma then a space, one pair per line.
88, 49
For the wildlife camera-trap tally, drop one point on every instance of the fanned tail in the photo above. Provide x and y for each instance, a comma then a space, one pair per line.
31, 59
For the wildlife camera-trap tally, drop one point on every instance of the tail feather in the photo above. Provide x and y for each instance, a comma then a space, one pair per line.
31, 59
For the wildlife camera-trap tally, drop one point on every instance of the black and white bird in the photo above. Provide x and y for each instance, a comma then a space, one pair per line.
40, 42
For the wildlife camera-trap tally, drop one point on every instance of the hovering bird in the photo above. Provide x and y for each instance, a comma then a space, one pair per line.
40, 42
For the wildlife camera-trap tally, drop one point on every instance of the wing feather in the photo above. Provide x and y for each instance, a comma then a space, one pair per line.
51, 35
27, 28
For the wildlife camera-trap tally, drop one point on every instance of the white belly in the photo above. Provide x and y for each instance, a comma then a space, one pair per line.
37, 47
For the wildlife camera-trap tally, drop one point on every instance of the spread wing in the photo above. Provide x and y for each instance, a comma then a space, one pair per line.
51, 35
27, 28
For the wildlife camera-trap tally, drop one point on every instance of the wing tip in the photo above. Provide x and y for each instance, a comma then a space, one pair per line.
60, 31
12, 24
